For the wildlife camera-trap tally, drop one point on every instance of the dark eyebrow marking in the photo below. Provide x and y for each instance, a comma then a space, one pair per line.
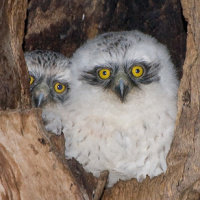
150, 71
92, 77
151, 75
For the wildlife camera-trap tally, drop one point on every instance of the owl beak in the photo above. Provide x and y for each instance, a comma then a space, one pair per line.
39, 100
40, 95
121, 89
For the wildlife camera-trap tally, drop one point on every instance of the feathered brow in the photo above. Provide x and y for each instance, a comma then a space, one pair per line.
150, 71
92, 78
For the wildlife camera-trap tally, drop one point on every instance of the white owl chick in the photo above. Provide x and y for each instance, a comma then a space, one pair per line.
122, 107
50, 76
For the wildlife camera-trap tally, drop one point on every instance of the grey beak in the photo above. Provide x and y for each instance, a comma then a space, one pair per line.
40, 95
39, 100
122, 89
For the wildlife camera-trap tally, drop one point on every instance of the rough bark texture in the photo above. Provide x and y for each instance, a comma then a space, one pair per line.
14, 90
29, 167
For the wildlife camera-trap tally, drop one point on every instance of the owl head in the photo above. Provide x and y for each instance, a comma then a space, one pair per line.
49, 76
125, 63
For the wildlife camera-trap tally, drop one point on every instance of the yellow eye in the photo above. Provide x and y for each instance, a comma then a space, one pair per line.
137, 71
31, 80
104, 73
59, 88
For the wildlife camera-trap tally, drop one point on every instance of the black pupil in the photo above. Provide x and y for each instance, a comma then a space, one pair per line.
104, 73
137, 71
59, 87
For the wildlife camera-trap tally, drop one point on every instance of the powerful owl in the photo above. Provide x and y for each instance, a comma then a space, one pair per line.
122, 106
49, 76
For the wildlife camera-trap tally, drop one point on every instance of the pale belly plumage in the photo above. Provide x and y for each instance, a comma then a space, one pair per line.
128, 145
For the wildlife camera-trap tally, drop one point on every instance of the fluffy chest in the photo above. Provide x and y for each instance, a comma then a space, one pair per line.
101, 117
127, 126
130, 140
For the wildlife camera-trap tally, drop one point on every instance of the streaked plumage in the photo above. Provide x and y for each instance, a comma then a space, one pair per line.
50, 76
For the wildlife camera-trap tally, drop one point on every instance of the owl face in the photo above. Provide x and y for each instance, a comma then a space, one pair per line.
124, 63
121, 80
49, 77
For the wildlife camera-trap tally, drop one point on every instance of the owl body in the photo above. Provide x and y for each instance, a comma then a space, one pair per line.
122, 106
124, 139
50, 77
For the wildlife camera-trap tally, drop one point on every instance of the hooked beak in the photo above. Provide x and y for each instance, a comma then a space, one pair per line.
40, 95
122, 89
39, 100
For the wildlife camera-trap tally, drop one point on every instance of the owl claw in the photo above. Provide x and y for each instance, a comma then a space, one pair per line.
52, 122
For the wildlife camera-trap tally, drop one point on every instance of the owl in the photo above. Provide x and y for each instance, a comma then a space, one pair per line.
122, 107
49, 76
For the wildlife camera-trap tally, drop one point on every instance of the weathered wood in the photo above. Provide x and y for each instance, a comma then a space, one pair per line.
29, 167
14, 90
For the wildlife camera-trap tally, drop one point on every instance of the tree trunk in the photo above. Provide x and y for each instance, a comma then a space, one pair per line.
29, 168
14, 90
31, 160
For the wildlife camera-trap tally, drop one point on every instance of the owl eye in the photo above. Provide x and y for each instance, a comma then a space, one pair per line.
137, 71
104, 73
31, 80
59, 88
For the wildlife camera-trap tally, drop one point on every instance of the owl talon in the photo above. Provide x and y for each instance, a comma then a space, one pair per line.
52, 122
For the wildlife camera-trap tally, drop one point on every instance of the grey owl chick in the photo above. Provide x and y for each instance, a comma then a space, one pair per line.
122, 107
49, 76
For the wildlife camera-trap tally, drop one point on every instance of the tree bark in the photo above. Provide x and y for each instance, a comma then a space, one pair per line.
29, 168
14, 90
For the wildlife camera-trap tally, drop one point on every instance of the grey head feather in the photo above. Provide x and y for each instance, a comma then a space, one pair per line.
47, 68
119, 52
